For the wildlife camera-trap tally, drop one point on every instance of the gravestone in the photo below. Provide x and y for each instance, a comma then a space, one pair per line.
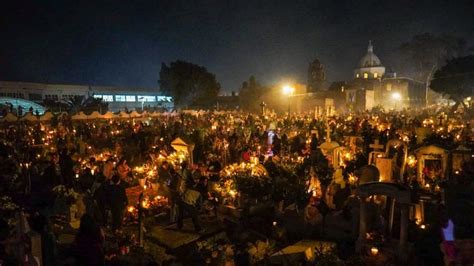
301, 252
385, 166
402, 195
376, 153
432, 160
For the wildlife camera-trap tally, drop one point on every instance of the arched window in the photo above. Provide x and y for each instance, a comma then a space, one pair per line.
366, 75
357, 75
376, 75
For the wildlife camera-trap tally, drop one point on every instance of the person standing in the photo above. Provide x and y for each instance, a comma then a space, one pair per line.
108, 169
123, 170
173, 187
66, 165
88, 244
117, 201
188, 204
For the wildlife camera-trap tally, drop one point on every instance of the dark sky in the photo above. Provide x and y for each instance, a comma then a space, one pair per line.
123, 43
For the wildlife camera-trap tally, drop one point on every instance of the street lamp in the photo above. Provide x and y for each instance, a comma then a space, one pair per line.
288, 91
397, 97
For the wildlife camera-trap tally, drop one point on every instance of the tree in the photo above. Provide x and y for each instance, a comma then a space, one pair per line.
419, 57
188, 84
455, 79
250, 95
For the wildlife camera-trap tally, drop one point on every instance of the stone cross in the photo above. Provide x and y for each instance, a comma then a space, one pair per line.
328, 131
441, 119
376, 145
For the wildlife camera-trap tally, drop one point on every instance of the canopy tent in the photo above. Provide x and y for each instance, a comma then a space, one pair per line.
29, 117
10, 117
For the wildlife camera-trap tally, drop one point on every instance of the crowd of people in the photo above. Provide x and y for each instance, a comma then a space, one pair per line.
97, 158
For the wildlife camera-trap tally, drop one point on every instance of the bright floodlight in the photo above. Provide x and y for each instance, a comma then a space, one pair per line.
396, 96
288, 90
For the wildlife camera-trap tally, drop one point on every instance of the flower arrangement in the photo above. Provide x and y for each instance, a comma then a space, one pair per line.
244, 178
66, 194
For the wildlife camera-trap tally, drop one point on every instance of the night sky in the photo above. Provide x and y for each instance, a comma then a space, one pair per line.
122, 43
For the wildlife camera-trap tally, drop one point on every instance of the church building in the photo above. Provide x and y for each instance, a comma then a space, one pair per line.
373, 86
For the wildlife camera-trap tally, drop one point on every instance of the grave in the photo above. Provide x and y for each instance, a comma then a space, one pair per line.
301, 252
355, 143
172, 238
327, 148
376, 153
397, 193
399, 160
460, 157
432, 163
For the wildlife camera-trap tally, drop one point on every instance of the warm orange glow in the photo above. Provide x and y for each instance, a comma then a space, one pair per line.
288, 90
411, 161
374, 251
232, 193
145, 203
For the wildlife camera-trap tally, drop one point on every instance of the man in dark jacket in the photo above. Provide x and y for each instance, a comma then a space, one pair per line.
117, 201
66, 165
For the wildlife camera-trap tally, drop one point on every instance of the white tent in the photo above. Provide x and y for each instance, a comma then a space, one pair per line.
79, 116
94, 115
46, 116
29, 117
108, 115
10, 117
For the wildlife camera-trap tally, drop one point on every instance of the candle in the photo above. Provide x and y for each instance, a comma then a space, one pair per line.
374, 251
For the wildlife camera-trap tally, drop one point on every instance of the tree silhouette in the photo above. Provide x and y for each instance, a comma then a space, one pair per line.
455, 79
188, 84
426, 52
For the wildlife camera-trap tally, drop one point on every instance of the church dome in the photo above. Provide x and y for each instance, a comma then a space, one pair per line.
370, 59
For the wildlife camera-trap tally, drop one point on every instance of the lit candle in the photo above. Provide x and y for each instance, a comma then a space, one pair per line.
374, 251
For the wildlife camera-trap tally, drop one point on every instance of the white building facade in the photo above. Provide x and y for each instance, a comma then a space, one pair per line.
117, 98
